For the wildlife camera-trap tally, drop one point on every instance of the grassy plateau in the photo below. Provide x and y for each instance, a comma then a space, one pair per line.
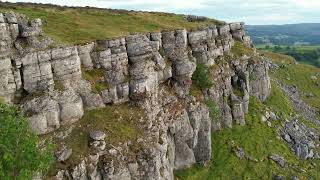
80, 25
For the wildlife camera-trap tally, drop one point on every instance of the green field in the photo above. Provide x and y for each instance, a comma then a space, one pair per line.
79, 25
297, 48
303, 54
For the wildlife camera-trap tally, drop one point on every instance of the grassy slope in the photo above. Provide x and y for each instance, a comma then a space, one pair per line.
298, 47
306, 54
79, 25
299, 75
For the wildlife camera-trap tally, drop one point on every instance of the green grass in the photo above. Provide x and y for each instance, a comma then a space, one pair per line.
297, 47
213, 110
258, 141
200, 77
279, 102
119, 122
96, 79
79, 25
239, 49
303, 54
278, 59
58, 86
301, 76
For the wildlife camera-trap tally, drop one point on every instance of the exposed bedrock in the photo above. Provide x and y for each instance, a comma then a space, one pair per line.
152, 71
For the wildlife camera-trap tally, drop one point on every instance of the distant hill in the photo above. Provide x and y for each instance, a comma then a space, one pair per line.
290, 34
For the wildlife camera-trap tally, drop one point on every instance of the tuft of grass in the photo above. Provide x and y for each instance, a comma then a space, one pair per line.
93, 75
214, 110
200, 77
58, 86
240, 49
238, 92
99, 87
196, 92
68, 25
96, 79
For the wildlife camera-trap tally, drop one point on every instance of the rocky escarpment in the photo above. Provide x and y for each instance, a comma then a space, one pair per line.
152, 71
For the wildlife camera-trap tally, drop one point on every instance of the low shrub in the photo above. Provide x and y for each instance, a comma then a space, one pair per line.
200, 77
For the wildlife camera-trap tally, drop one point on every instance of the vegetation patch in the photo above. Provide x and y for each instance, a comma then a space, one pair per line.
240, 49
196, 92
79, 25
214, 111
305, 77
21, 153
120, 122
238, 92
303, 54
96, 79
200, 77
279, 59
58, 85
279, 102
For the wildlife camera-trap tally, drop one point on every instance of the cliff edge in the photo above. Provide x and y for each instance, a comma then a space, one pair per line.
148, 76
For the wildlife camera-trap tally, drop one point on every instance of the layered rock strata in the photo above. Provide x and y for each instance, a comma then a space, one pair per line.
152, 71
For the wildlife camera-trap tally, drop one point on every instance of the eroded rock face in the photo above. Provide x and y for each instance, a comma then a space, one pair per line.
260, 85
152, 71
301, 139
44, 114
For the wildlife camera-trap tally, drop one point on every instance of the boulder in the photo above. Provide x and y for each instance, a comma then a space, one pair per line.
43, 114
97, 135
63, 154
239, 152
278, 159
71, 107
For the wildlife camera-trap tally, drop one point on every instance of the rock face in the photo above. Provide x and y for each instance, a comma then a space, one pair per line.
152, 71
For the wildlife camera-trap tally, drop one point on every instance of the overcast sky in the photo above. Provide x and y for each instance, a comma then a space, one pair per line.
248, 11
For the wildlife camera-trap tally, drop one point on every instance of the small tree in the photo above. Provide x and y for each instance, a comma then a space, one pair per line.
200, 77
21, 156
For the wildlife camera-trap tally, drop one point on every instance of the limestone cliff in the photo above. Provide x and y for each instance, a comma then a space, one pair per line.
152, 71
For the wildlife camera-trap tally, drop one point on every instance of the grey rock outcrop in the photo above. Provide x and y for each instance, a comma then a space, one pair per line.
152, 71
44, 114
301, 139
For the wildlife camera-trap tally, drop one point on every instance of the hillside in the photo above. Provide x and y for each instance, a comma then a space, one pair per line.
291, 34
80, 25
179, 102
303, 54
258, 139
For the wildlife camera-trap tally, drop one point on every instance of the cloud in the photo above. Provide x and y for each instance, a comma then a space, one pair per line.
249, 11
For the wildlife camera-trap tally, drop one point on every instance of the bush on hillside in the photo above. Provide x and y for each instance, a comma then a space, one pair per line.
200, 78
21, 156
